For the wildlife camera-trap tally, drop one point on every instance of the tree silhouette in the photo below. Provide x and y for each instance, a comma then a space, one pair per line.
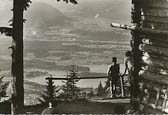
70, 90
100, 90
91, 93
3, 86
46, 96
69, 1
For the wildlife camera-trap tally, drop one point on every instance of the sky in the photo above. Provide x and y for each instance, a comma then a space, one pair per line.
8, 3
62, 6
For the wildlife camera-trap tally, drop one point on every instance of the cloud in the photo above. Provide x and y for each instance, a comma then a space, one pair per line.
96, 16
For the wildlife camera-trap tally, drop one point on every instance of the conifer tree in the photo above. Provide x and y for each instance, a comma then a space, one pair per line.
3, 87
91, 93
50, 94
100, 90
70, 89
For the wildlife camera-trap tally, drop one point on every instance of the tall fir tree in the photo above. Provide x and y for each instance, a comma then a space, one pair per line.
50, 94
71, 91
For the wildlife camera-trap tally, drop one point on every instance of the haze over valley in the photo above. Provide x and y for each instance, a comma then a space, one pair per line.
55, 34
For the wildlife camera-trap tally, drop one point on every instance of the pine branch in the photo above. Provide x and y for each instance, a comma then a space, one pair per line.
6, 30
27, 4
69, 1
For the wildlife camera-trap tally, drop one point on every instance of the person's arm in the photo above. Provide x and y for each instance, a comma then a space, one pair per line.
108, 70
119, 68
126, 67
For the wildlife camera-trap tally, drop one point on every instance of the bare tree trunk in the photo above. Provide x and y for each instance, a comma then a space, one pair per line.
17, 56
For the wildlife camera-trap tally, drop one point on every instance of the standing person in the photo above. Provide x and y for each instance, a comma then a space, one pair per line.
128, 62
113, 74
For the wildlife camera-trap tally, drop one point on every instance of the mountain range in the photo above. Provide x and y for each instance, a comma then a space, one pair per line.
44, 15
52, 14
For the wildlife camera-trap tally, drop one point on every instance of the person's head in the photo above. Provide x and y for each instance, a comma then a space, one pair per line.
128, 54
114, 59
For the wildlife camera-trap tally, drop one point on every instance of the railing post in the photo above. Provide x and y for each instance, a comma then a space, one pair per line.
122, 86
111, 89
50, 90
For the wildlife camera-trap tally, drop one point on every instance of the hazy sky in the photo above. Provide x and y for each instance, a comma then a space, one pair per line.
7, 3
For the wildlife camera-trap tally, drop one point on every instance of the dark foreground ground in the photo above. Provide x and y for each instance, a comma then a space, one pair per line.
110, 106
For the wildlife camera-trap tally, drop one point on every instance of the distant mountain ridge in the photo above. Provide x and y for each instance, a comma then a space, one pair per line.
48, 13
44, 15
114, 10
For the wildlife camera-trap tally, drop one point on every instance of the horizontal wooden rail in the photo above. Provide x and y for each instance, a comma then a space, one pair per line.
101, 77
54, 78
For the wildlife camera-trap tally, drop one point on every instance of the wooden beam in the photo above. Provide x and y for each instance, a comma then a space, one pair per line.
159, 51
158, 63
156, 70
155, 12
161, 79
148, 84
158, 38
77, 78
155, 56
153, 4
140, 30
123, 26
155, 25
155, 42
156, 19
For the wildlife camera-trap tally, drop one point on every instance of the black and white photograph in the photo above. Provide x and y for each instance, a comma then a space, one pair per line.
83, 57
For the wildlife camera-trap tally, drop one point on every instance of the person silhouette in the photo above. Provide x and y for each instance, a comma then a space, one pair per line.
113, 74
128, 62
